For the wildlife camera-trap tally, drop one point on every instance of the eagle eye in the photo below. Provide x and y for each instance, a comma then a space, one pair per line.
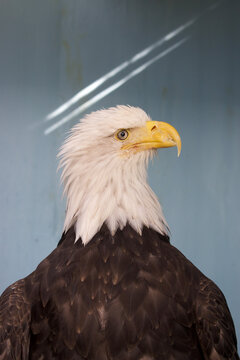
122, 134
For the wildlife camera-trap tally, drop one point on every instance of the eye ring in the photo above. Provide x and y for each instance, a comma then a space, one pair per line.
122, 134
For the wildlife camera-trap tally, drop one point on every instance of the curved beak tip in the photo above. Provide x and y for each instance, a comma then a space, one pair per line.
178, 143
179, 149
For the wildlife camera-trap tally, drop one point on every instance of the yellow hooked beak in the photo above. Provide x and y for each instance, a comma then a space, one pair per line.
155, 134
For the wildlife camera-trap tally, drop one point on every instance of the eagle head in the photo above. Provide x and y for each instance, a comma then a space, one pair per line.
104, 163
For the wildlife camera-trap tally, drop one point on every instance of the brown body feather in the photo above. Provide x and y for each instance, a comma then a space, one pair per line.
119, 297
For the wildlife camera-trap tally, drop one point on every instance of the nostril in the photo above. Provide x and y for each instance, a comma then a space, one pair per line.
153, 128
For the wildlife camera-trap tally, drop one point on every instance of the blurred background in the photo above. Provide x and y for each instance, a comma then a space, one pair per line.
179, 61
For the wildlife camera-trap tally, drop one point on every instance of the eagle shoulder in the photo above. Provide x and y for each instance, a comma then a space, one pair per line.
15, 315
214, 324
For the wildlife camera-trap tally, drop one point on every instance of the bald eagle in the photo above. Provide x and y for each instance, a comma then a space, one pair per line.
115, 288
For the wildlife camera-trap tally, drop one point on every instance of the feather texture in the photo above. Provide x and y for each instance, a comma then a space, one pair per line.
123, 296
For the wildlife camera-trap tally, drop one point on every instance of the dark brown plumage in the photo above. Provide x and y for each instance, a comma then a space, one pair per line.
119, 297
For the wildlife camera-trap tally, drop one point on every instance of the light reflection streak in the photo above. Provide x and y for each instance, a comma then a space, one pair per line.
113, 87
93, 86
90, 88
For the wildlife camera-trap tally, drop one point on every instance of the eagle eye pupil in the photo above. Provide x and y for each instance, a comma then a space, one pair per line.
122, 134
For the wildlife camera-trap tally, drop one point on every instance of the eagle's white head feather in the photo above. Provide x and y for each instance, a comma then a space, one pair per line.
104, 173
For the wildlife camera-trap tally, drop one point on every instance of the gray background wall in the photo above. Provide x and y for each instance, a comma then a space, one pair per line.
188, 75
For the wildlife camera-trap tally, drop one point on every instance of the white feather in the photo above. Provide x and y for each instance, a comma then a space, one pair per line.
101, 185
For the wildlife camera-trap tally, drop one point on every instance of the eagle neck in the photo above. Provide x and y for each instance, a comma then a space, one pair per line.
113, 192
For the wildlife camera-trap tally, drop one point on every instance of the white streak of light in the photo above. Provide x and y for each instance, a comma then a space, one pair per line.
113, 87
90, 88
